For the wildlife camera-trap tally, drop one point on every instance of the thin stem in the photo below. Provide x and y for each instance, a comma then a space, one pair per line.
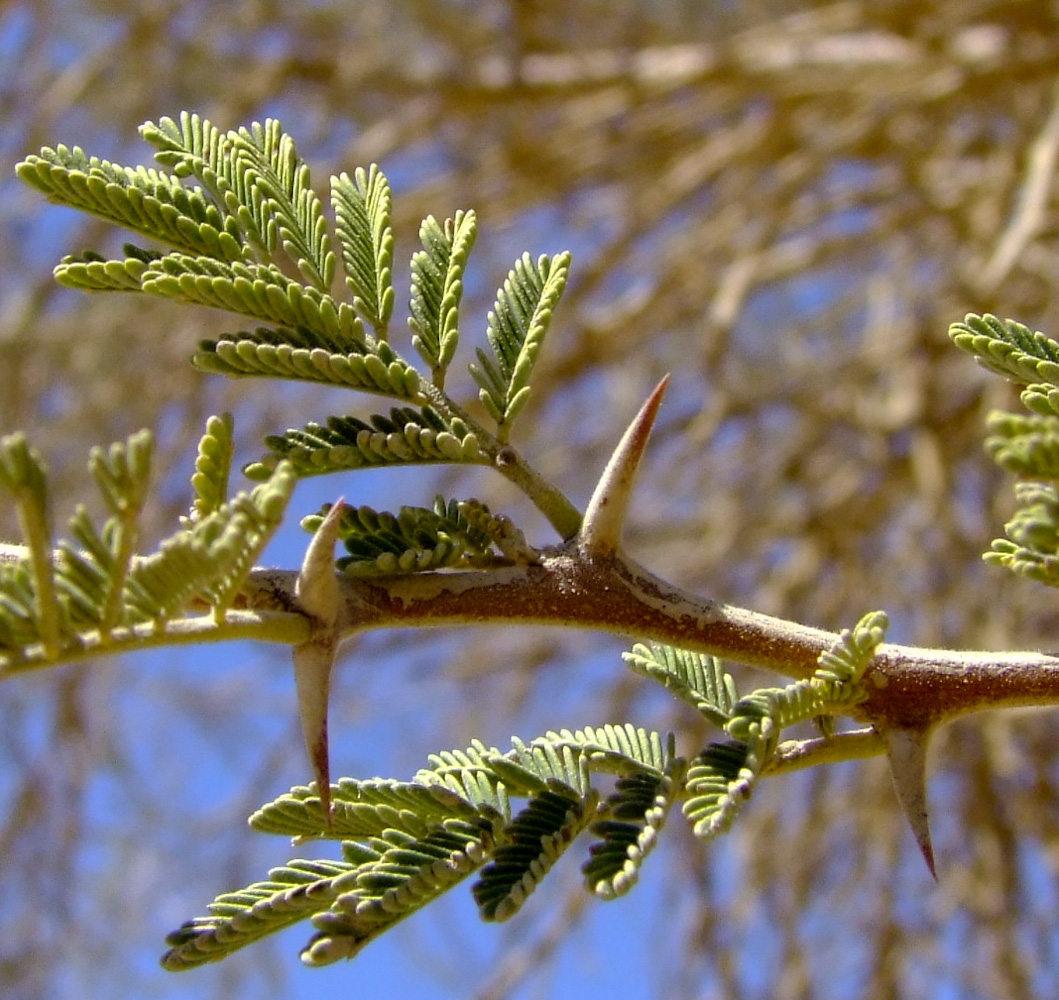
263, 625
546, 497
796, 755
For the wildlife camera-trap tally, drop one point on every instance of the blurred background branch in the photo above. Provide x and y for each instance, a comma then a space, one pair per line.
785, 205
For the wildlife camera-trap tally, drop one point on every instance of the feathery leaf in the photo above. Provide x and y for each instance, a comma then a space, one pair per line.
290, 894
1008, 348
302, 354
406, 436
528, 847
437, 287
362, 223
637, 811
517, 325
369, 807
396, 876
696, 678
413, 541
213, 465
146, 201
1032, 545
719, 781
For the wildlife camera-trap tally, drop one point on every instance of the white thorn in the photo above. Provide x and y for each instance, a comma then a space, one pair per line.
906, 750
601, 529
317, 596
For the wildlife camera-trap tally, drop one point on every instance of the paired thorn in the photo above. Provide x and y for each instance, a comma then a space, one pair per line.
317, 595
604, 520
906, 749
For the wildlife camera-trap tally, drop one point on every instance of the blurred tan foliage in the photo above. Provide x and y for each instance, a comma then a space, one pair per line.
785, 205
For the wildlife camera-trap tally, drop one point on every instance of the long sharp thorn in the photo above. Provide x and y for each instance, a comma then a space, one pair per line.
318, 597
906, 750
601, 529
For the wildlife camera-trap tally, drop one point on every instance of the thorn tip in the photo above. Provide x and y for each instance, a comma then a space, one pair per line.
604, 520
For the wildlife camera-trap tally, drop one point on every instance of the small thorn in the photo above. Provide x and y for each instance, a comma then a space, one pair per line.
318, 597
604, 520
906, 750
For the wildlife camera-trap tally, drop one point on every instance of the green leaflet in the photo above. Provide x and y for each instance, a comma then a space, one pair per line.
437, 287
396, 876
528, 847
517, 325
149, 202
695, 678
1024, 445
637, 811
468, 773
369, 808
1008, 348
260, 291
290, 894
304, 355
91, 272
212, 467
413, 541
30, 605
626, 749
362, 223
834, 687
719, 782
257, 175
404, 437
1032, 545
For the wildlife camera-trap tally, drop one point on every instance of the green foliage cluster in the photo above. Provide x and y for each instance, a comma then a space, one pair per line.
1025, 445
405, 843
92, 592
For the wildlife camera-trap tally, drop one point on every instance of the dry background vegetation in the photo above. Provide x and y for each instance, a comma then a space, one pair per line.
785, 205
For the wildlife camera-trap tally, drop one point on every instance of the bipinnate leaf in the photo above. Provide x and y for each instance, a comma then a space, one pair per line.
1025, 446
24, 475
517, 325
272, 176
625, 749
91, 272
211, 559
92, 590
437, 288
362, 207
260, 181
363, 808
719, 782
397, 875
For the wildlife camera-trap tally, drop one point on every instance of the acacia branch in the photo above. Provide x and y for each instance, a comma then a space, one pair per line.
908, 687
